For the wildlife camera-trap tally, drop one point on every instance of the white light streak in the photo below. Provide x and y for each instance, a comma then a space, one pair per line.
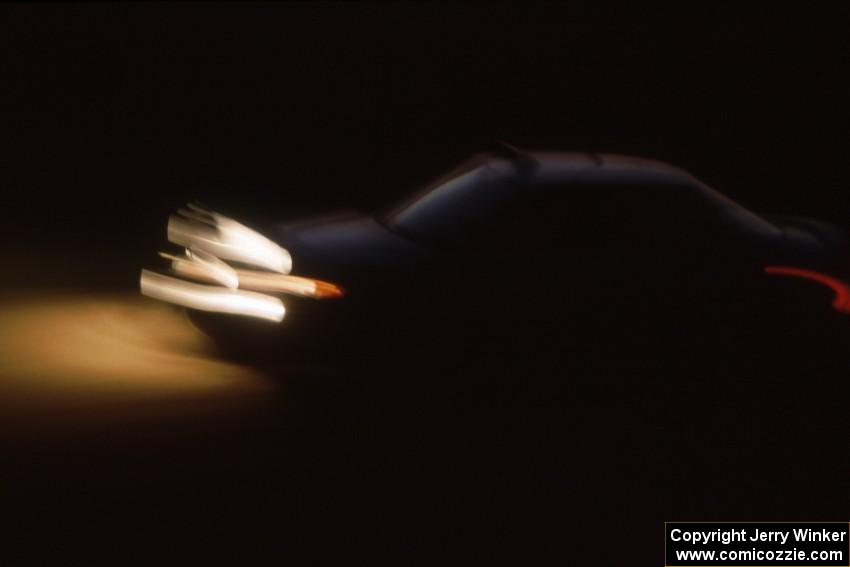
209, 298
227, 239
217, 270
259, 281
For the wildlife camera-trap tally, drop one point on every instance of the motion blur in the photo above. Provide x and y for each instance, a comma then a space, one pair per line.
210, 238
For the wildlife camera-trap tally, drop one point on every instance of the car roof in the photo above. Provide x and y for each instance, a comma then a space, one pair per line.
545, 168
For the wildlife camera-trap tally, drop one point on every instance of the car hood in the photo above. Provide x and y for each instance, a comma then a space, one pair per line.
345, 246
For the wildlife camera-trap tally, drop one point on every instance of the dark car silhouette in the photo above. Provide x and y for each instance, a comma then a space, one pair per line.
550, 247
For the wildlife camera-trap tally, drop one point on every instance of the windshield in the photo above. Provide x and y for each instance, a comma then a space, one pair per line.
442, 213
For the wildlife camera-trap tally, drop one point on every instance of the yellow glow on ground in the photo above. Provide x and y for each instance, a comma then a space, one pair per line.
78, 359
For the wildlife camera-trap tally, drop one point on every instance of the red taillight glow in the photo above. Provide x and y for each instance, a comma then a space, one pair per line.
841, 302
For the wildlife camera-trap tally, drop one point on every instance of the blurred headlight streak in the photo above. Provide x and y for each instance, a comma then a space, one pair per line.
209, 298
213, 269
210, 237
226, 239
259, 281
295, 285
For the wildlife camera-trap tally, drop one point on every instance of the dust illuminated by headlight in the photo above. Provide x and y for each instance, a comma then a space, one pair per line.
71, 359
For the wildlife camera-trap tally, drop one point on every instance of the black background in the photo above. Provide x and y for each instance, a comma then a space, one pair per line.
114, 115
124, 109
